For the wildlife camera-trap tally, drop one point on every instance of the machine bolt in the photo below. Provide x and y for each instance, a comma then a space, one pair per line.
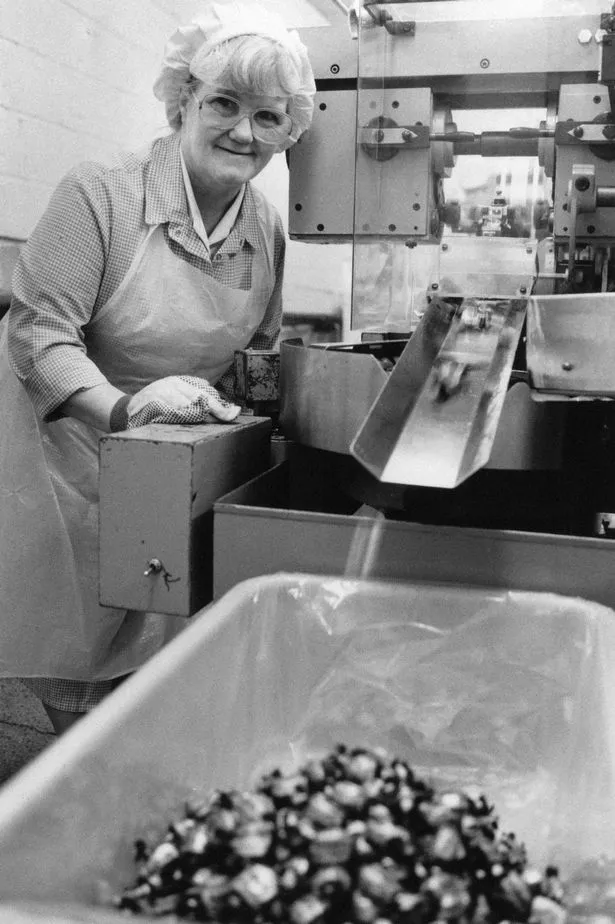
529, 250
609, 131
154, 566
416, 207
335, 68
435, 286
522, 289
584, 37
485, 62
444, 246
379, 136
406, 135
600, 35
578, 132
567, 366
582, 183
591, 229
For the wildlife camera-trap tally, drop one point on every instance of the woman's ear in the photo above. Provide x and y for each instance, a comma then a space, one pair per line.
185, 96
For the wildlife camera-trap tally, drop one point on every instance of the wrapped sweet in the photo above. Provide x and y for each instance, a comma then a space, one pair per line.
353, 837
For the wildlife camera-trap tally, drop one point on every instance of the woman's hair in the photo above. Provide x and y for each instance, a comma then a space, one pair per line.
248, 64
251, 64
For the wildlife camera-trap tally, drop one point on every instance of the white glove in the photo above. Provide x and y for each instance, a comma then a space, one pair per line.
180, 399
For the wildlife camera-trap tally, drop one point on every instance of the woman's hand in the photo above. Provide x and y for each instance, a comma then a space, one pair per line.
171, 390
177, 393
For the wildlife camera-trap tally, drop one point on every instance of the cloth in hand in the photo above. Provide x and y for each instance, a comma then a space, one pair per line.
208, 404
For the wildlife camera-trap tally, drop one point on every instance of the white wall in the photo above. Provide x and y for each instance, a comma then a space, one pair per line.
76, 84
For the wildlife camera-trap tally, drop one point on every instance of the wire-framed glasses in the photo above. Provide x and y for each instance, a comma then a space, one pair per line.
270, 126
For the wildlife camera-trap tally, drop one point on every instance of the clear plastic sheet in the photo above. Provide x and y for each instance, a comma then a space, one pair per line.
513, 692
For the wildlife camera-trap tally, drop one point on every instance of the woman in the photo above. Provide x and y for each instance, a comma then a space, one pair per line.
129, 300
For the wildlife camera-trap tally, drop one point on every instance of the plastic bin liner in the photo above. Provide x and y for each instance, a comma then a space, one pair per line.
513, 692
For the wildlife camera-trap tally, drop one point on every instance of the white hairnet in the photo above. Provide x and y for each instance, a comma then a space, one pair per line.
190, 45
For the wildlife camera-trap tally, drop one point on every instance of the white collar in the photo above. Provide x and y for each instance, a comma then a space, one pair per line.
224, 226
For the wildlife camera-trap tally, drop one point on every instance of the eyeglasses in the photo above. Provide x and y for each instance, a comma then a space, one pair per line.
270, 126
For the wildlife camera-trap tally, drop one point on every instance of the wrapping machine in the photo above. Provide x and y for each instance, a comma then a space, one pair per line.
467, 149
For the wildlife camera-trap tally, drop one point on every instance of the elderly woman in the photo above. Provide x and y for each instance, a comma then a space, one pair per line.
129, 300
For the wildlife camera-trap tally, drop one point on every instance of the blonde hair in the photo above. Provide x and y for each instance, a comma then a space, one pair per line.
252, 64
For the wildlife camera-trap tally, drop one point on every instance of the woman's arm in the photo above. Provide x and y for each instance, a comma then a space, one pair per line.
55, 287
93, 405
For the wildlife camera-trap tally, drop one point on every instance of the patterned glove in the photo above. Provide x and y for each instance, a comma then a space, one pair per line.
209, 403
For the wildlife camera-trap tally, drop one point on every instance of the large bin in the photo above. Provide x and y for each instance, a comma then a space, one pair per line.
510, 690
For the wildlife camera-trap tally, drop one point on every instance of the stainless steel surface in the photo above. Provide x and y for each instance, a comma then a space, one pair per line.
448, 39
302, 539
571, 344
412, 435
325, 394
321, 171
522, 44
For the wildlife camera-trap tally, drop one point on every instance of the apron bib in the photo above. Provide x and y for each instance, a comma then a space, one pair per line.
165, 318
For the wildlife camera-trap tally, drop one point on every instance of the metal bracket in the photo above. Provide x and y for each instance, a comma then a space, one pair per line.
400, 136
581, 198
584, 133
383, 18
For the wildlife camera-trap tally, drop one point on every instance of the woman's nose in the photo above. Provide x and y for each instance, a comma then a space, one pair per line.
242, 130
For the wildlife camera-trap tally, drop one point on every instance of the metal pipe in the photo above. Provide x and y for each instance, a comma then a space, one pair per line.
498, 144
605, 196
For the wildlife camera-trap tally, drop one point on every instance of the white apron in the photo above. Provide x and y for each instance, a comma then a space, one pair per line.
166, 318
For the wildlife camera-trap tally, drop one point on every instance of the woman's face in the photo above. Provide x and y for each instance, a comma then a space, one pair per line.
220, 159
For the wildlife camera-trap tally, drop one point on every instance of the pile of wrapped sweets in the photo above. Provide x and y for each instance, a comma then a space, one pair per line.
355, 836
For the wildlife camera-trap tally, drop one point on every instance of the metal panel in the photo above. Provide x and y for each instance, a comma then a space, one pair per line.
359, 546
415, 436
392, 196
493, 45
571, 344
333, 53
325, 394
321, 165
157, 488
